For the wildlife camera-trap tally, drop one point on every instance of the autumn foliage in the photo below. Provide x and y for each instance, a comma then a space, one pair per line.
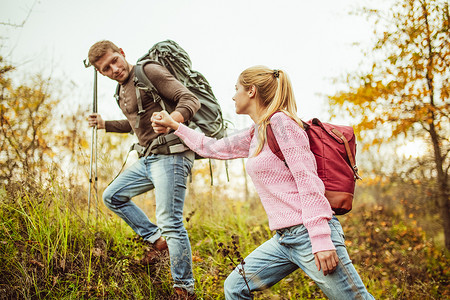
404, 91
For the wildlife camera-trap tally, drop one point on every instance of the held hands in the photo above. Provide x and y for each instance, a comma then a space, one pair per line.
327, 261
162, 122
96, 119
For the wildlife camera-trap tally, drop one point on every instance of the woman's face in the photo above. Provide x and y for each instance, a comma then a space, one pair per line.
241, 99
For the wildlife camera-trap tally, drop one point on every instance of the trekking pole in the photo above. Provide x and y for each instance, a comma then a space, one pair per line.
93, 159
95, 110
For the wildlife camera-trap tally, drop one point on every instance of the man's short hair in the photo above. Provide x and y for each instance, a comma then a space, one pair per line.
99, 49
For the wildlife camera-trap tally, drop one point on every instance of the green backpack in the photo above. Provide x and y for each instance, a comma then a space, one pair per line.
208, 118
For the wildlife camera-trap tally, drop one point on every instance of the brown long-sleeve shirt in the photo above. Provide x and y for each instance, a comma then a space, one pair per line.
169, 88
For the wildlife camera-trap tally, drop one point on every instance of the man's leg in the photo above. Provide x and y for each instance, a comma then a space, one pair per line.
117, 197
169, 175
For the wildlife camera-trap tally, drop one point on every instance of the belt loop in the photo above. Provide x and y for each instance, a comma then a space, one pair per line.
281, 237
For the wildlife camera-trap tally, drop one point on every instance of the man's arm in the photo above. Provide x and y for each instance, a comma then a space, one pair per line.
169, 87
120, 126
177, 116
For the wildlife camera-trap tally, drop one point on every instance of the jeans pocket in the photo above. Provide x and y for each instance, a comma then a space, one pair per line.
295, 236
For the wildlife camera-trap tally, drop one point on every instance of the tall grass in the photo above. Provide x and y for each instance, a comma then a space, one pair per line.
48, 252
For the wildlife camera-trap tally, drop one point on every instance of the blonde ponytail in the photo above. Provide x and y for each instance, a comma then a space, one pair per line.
275, 93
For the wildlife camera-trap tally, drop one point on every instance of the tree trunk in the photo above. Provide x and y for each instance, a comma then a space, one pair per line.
443, 188
442, 175
445, 206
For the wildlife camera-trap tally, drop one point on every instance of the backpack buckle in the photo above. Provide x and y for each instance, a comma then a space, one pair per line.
139, 149
161, 139
355, 171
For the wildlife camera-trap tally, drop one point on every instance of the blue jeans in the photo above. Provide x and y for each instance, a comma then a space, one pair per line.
289, 250
167, 174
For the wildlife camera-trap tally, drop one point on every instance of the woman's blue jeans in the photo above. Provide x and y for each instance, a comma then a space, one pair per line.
167, 174
289, 250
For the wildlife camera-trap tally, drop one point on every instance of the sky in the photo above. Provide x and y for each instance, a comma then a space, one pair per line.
313, 41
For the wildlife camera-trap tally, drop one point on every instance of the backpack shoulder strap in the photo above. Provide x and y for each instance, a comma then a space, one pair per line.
273, 144
272, 141
142, 82
116, 95
140, 79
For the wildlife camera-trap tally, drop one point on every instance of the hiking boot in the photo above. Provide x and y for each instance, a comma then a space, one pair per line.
182, 294
160, 244
155, 252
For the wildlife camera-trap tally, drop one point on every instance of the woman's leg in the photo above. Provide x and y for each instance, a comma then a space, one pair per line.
264, 267
344, 283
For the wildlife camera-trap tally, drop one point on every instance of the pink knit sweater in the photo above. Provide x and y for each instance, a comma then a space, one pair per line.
290, 196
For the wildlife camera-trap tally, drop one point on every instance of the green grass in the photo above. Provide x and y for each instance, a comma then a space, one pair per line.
47, 251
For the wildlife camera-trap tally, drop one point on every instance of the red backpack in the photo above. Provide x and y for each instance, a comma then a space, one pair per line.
334, 147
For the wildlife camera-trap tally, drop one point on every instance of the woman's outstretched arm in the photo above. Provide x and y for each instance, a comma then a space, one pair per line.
234, 146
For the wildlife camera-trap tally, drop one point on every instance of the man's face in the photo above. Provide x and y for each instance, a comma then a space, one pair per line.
114, 66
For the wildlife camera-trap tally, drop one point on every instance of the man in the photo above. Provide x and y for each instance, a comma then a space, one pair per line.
167, 174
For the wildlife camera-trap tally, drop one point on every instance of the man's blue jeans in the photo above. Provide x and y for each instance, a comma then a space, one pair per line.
167, 174
289, 250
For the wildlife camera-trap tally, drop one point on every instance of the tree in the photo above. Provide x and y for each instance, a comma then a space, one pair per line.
25, 112
406, 91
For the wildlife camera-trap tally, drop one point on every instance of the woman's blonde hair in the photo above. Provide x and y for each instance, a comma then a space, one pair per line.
275, 94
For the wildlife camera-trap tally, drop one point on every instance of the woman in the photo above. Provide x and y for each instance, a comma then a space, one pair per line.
307, 235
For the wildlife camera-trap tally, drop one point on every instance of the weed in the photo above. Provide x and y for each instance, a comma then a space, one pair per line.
231, 252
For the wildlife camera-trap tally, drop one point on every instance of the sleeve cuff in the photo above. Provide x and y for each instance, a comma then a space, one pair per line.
185, 112
322, 243
180, 131
107, 126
